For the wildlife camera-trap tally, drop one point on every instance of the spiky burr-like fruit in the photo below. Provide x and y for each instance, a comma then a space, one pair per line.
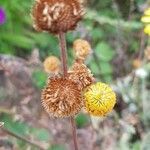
57, 16
62, 97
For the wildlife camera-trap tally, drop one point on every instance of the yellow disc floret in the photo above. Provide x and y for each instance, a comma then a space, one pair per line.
99, 99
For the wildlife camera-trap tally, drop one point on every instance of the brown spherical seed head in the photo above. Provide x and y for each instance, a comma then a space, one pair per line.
80, 74
62, 97
51, 64
57, 16
81, 49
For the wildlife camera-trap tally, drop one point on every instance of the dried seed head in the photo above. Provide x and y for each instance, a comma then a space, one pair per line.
52, 64
137, 63
99, 99
62, 97
81, 48
57, 16
80, 74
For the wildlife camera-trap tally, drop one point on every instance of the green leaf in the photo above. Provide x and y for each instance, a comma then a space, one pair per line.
104, 51
82, 120
136, 146
96, 33
58, 147
106, 68
108, 78
15, 126
39, 78
18, 40
93, 66
41, 134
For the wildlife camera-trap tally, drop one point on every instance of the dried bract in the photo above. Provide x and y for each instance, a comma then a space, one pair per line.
57, 16
51, 64
81, 49
80, 74
62, 97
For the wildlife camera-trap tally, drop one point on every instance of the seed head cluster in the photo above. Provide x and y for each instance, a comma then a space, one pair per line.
80, 74
56, 16
65, 96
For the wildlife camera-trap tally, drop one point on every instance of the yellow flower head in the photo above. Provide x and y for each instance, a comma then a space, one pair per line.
147, 12
99, 99
147, 29
51, 64
146, 19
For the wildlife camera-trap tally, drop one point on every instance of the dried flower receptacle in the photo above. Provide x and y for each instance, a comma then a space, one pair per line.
62, 97
80, 74
81, 49
51, 64
57, 16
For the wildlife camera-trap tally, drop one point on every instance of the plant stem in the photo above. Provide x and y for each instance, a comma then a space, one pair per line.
73, 124
63, 51
22, 138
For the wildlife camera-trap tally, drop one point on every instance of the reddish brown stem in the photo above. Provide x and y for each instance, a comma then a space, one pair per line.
73, 124
63, 51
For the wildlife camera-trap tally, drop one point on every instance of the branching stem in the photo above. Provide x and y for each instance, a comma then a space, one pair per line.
63, 51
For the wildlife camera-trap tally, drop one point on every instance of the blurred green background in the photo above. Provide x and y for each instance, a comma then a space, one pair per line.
114, 29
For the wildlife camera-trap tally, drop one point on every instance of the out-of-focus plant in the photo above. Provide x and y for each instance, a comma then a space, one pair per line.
115, 43
2, 16
17, 36
146, 19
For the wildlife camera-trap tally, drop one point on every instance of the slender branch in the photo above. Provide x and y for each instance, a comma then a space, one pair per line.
22, 138
63, 51
142, 45
73, 124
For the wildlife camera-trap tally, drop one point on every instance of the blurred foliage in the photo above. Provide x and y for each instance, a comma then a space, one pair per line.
24, 130
39, 78
57, 147
115, 32
82, 120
